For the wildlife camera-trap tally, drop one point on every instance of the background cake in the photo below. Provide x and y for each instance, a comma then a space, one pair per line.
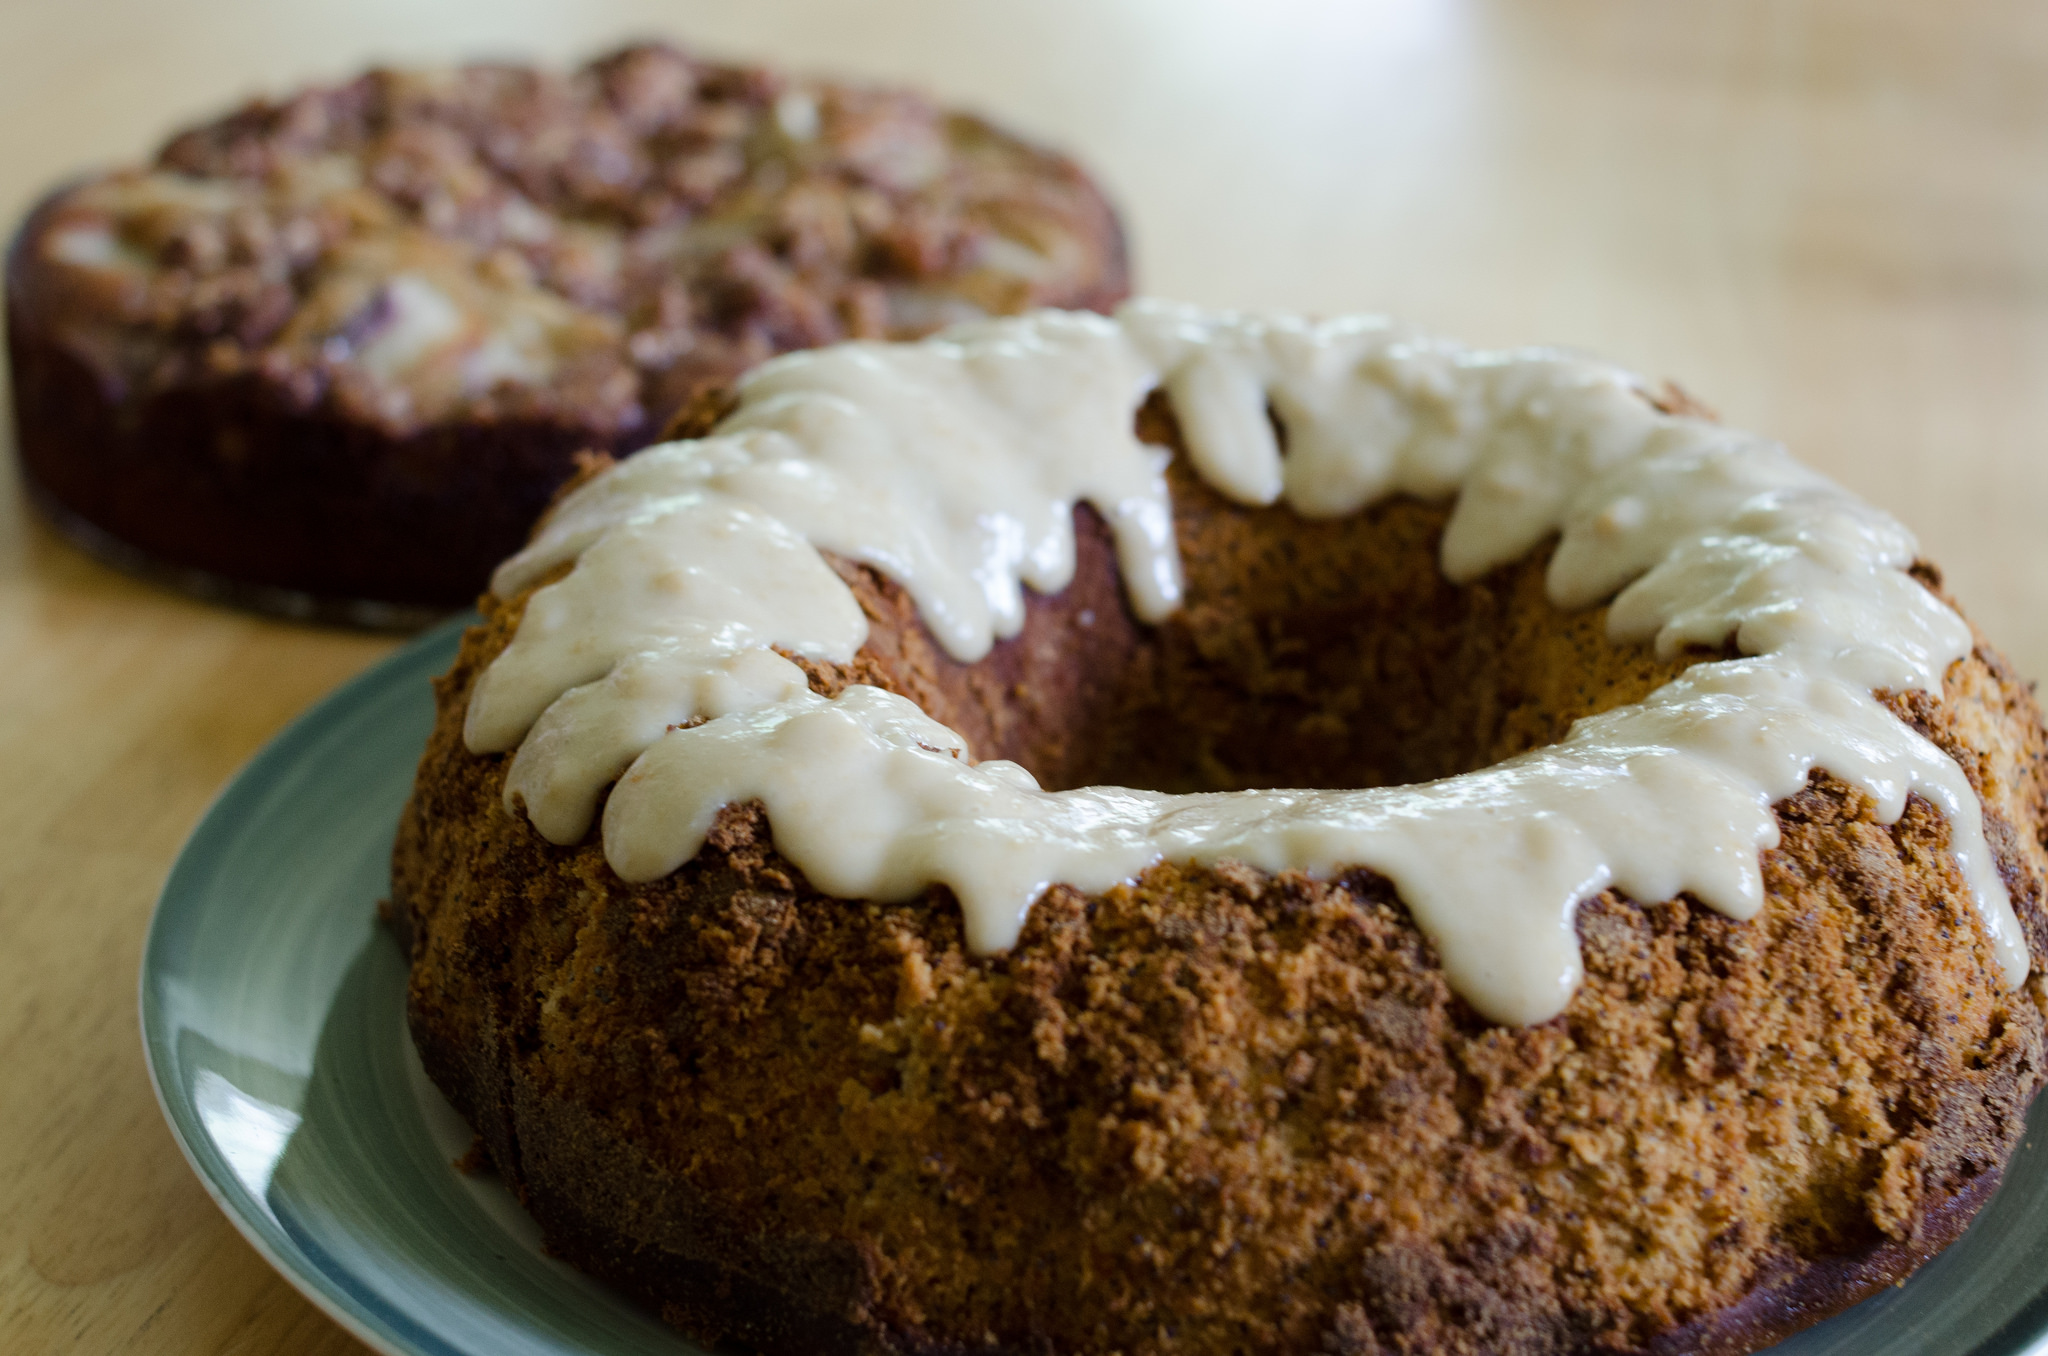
346, 344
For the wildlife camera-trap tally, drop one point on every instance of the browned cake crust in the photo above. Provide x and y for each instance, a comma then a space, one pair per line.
228, 362
1219, 1110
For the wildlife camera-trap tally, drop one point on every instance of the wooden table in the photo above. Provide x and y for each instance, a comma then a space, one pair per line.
1830, 221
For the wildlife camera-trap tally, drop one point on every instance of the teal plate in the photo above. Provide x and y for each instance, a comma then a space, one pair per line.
273, 1012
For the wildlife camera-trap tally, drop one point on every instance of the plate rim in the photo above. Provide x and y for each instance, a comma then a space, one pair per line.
159, 1056
2024, 1333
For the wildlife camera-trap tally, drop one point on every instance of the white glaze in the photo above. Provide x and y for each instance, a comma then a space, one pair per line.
584, 740
953, 466
698, 571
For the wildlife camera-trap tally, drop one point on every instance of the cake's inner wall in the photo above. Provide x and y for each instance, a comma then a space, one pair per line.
1311, 653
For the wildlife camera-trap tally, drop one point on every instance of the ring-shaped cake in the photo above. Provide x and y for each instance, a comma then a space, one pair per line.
1516, 866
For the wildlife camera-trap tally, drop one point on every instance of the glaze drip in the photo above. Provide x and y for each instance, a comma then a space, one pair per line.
953, 466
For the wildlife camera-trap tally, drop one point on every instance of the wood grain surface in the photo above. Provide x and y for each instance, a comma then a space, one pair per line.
1829, 221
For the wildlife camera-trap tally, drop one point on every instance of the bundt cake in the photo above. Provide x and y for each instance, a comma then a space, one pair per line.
341, 348
1207, 833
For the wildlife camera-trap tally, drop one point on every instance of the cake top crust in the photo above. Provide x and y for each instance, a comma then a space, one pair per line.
953, 467
492, 241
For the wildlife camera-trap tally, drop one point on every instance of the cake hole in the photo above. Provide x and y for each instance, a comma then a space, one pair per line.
1311, 652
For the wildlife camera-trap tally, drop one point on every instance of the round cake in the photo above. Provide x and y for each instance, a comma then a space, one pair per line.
1197, 832
340, 349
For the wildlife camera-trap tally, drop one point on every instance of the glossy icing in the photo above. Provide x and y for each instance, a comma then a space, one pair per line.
953, 466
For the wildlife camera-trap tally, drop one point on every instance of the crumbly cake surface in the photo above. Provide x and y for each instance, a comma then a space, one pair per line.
418, 293
1220, 1110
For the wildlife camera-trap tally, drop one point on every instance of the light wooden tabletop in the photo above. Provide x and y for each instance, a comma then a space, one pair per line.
1829, 221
